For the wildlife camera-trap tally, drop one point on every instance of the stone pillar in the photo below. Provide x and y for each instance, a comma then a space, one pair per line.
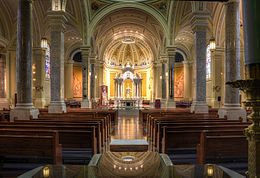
163, 80
120, 87
92, 81
24, 109
187, 80
57, 21
115, 86
85, 50
39, 58
171, 61
231, 108
3, 101
69, 79
251, 23
200, 26
99, 80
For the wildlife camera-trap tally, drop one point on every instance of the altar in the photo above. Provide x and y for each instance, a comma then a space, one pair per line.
128, 103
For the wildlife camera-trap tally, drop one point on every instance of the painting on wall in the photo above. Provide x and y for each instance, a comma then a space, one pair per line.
77, 82
179, 82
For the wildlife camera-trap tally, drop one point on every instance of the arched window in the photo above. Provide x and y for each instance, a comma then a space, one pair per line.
47, 63
208, 63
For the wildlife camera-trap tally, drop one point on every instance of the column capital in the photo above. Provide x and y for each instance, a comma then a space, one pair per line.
57, 20
200, 21
171, 51
187, 62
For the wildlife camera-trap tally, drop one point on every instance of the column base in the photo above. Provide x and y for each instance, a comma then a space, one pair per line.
85, 103
4, 104
57, 107
24, 111
171, 103
199, 107
163, 103
232, 113
40, 103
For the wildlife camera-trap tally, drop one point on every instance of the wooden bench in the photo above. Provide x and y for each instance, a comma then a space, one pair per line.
221, 148
30, 145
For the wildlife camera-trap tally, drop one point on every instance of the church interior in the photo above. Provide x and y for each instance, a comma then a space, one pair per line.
129, 88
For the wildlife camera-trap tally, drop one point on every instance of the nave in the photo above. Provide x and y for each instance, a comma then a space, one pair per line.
78, 143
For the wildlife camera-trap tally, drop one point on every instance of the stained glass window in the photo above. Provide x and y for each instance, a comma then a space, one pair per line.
47, 63
208, 63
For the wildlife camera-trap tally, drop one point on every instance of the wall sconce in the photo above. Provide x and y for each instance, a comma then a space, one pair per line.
46, 172
95, 76
89, 73
212, 44
166, 74
44, 43
160, 77
210, 170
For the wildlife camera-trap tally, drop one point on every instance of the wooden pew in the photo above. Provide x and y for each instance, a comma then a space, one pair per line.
69, 136
30, 144
188, 136
215, 148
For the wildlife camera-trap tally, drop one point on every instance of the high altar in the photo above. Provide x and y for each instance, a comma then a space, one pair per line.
128, 89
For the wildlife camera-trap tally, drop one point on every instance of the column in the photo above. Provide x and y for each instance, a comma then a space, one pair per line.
251, 26
171, 60
99, 80
39, 58
69, 79
231, 108
200, 26
163, 79
92, 77
57, 21
3, 101
187, 80
85, 50
24, 109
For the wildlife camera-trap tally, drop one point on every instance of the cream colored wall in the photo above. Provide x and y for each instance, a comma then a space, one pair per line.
11, 76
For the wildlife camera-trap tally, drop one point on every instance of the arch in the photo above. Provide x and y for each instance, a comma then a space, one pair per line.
160, 19
3, 42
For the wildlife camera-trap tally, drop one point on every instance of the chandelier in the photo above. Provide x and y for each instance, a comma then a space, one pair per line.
128, 40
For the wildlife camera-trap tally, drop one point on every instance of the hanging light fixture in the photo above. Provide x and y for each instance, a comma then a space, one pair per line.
212, 43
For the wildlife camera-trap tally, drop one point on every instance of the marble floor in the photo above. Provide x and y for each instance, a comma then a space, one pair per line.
128, 126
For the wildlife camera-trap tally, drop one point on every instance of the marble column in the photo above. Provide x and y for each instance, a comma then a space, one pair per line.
39, 58
120, 88
24, 109
231, 108
57, 20
171, 61
92, 81
3, 100
200, 27
187, 80
69, 79
85, 50
163, 80
251, 25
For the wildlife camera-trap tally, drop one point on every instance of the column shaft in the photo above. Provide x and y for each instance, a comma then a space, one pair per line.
85, 75
2, 77
57, 24
24, 108
92, 81
199, 104
187, 80
232, 109
163, 81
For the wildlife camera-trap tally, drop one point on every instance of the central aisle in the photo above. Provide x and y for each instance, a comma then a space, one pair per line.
128, 126
128, 132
